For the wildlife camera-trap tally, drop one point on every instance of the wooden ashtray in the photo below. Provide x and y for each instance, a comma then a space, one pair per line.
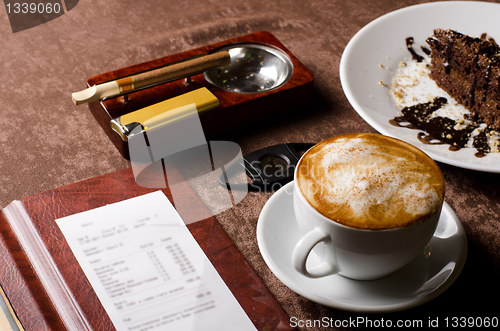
247, 94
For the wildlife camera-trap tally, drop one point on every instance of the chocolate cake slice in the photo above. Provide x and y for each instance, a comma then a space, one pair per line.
469, 70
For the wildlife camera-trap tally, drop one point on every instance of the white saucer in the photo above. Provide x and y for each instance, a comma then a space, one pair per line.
422, 280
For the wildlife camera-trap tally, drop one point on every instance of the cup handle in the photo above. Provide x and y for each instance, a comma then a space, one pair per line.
303, 249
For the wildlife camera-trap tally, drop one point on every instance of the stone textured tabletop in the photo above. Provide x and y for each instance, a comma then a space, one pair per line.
46, 141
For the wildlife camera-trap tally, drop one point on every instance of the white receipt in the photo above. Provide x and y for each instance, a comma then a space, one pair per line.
147, 269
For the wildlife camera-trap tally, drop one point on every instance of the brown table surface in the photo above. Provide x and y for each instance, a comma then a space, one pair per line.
47, 142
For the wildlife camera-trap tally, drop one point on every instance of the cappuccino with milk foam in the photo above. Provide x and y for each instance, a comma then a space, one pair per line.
370, 181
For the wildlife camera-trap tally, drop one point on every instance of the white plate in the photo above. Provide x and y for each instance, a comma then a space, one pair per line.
423, 279
383, 42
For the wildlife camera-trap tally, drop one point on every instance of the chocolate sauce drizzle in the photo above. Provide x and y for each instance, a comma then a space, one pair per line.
425, 50
414, 55
440, 130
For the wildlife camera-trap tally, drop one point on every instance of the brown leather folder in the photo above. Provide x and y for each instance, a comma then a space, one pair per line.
30, 299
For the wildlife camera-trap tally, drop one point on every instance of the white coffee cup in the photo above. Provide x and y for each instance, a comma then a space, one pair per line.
360, 253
